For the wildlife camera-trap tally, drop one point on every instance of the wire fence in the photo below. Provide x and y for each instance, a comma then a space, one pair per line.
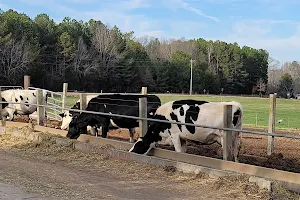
162, 121
53, 99
255, 114
11, 87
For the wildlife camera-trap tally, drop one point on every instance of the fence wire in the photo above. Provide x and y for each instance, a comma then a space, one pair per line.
164, 121
52, 113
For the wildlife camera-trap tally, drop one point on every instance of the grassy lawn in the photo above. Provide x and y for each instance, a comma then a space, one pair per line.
255, 109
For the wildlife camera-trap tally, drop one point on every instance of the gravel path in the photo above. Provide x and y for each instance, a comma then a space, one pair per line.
47, 172
9, 192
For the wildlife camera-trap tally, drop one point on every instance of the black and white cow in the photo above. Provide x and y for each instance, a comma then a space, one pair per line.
189, 111
123, 104
68, 115
19, 96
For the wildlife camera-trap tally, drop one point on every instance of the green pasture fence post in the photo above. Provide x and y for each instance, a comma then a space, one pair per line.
271, 126
228, 135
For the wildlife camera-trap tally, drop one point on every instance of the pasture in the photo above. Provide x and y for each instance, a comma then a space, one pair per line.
256, 110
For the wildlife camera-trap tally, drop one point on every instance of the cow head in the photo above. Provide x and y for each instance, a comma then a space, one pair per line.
76, 127
144, 144
155, 133
68, 115
66, 119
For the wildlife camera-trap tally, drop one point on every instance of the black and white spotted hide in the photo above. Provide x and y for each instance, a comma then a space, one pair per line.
19, 96
192, 112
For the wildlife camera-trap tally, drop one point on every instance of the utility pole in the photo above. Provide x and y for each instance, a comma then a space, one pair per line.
191, 79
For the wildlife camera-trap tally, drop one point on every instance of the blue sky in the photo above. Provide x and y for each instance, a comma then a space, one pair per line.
273, 25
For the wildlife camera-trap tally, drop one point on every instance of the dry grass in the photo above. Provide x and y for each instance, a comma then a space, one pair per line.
281, 193
47, 151
238, 184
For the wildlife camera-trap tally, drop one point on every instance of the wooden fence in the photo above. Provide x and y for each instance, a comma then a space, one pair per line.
143, 122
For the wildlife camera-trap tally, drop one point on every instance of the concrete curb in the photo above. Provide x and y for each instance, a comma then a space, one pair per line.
151, 160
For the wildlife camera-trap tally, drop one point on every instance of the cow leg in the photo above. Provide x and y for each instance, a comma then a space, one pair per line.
213, 138
105, 128
92, 130
10, 114
104, 131
3, 118
95, 129
183, 145
131, 132
176, 142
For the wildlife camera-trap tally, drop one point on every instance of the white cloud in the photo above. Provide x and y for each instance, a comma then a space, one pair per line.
4, 7
185, 28
82, 1
256, 35
180, 4
241, 29
137, 23
224, 1
133, 4
51, 4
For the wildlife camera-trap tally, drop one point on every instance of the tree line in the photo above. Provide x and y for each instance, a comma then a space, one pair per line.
284, 79
92, 56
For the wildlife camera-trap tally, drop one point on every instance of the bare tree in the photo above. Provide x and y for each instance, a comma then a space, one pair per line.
83, 61
261, 86
293, 69
210, 51
143, 40
15, 59
165, 50
274, 75
104, 42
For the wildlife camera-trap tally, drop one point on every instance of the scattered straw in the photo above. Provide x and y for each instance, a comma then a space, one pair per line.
46, 151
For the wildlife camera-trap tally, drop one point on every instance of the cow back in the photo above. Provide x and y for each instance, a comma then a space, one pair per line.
122, 104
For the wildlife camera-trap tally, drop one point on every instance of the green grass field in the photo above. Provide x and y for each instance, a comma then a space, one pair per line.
256, 109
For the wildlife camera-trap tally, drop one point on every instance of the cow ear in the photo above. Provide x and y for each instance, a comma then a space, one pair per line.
61, 114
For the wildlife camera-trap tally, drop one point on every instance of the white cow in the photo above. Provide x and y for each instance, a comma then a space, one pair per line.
190, 111
19, 96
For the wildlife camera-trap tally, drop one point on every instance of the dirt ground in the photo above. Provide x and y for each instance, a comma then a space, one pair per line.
46, 171
253, 148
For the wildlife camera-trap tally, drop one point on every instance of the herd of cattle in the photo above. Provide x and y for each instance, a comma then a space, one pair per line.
182, 111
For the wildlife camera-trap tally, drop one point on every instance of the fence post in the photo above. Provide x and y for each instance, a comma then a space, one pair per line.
64, 96
227, 135
40, 109
144, 90
26, 82
83, 101
143, 124
256, 120
271, 127
2, 118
